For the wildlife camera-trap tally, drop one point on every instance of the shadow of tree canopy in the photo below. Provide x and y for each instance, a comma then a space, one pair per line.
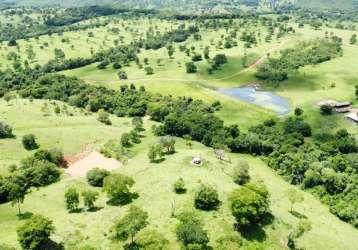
124, 200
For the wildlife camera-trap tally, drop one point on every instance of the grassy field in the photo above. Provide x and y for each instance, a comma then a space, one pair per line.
71, 132
154, 186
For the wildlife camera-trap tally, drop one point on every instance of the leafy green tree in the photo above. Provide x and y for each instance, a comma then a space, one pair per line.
353, 39
103, 117
96, 176
130, 224
155, 152
207, 53
326, 109
241, 174
151, 239
149, 70
206, 198
298, 111
168, 142
191, 68
5, 131
117, 187
179, 186
17, 188
137, 122
249, 204
89, 198
294, 197
35, 233
126, 140
72, 199
29, 142
302, 227
229, 242
190, 230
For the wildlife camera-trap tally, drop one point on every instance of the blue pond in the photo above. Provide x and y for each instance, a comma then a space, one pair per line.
264, 99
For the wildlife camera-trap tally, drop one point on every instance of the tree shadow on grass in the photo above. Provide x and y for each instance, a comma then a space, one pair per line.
95, 209
76, 211
50, 244
124, 200
158, 160
298, 215
255, 232
25, 216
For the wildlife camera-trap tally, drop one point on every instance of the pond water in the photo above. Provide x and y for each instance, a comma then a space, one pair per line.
264, 99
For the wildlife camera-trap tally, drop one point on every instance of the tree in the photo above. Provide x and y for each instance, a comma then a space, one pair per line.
229, 242
179, 186
130, 224
117, 187
29, 142
190, 68
35, 233
206, 198
326, 109
89, 198
96, 176
294, 197
190, 230
207, 53
137, 122
155, 152
302, 227
122, 75
151, 239
241, 174
298, 111
168, 142
5, 131
12, 43
353, 39
149, 70
17, 188
126, 140
103, 117
72, 199
249, 204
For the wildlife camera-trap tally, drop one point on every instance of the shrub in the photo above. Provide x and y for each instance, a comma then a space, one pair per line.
35, 233
206, 198
96, 176
89, 197
179, 186
191, 68
326, 110
249, 204
103, 117
126, 140
149, 70
72, 199
117, 187
5, 131
190, 231
29, 142
241, 173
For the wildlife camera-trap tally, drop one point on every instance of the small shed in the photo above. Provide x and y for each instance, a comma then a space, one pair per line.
353, 116
342, 107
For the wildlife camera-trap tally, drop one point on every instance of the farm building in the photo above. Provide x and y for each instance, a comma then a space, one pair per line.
342, 107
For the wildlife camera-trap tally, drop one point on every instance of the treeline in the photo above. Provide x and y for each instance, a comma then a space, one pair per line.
74, 15
62, 21
305, 53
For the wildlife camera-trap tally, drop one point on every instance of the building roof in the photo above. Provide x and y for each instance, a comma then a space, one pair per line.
353, 116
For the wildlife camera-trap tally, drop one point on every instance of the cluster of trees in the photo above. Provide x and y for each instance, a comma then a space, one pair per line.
40, 169
290, 60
